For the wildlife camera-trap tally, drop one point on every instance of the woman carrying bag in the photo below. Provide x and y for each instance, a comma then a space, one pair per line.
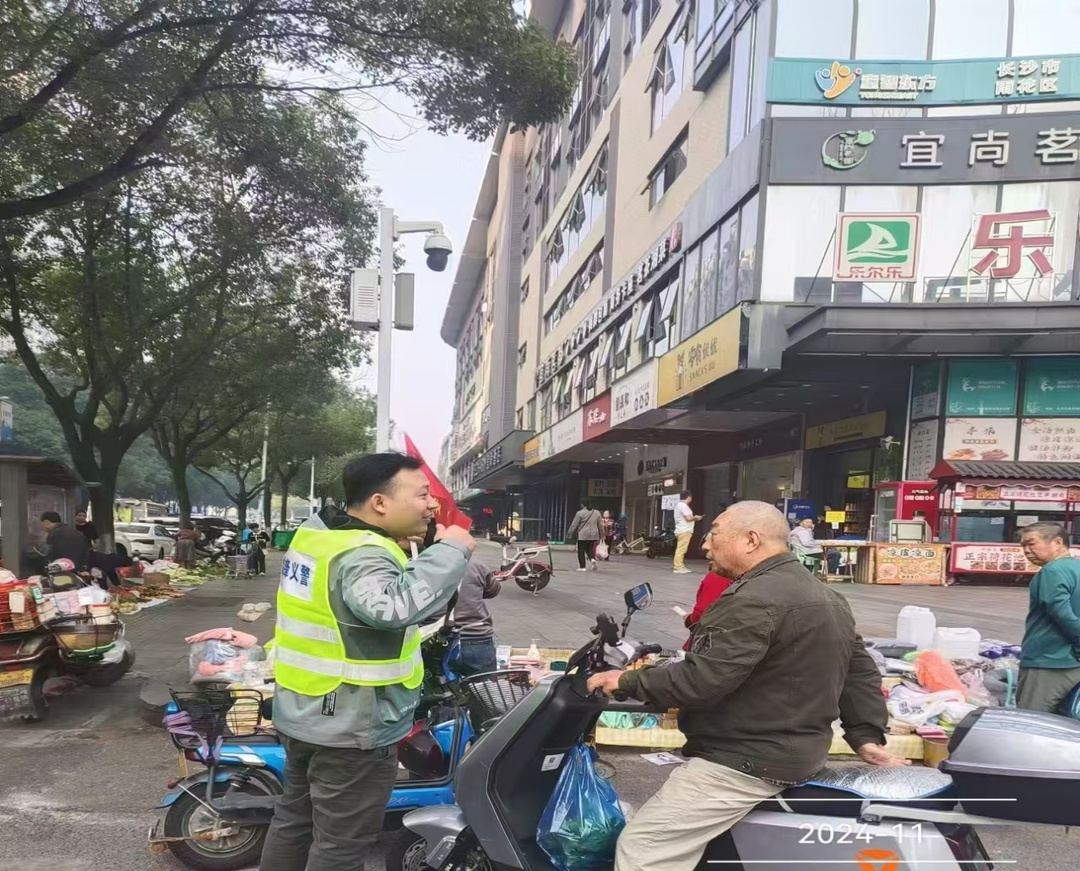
587, 528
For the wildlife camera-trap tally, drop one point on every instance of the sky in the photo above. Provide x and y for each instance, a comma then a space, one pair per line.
423, 177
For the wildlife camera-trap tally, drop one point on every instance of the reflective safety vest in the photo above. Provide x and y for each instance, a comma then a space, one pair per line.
310, 654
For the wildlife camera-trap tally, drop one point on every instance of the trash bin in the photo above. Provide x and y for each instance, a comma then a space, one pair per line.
282, 538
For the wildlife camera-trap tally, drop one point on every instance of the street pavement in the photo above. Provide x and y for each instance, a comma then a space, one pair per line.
77, 793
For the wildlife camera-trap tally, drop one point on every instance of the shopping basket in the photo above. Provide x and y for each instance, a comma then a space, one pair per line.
236, 566
204, 718
489, 696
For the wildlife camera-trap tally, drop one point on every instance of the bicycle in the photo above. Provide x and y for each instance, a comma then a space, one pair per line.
637, 545
529, 573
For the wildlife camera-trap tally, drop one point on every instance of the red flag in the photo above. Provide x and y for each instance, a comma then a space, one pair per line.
447, 513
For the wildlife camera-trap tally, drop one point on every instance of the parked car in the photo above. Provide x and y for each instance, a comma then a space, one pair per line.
143, 540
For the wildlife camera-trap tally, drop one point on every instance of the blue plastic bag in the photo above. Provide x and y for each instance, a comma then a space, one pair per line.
1070, 707
582, 820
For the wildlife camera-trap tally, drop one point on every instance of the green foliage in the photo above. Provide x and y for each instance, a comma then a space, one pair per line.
95, 92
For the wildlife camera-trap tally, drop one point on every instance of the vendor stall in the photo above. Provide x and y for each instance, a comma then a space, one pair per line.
984, 506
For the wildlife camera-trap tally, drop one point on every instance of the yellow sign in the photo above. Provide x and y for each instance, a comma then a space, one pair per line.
709, 354
851, 429
532, 451
835, 517
860, 481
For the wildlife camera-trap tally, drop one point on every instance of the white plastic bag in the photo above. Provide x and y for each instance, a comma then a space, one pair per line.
601, 550
917, 709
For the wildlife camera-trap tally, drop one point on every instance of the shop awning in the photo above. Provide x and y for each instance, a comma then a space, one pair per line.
1062, 474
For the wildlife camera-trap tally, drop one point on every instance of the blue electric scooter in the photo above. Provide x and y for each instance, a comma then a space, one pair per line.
217, 818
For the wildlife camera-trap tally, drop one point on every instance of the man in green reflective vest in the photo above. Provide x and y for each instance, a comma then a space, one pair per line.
347, 658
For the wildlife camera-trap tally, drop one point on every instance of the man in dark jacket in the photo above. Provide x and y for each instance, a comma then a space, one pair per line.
477, 640
774, 662
64, 541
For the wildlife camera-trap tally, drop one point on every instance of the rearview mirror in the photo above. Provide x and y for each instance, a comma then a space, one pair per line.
639, 597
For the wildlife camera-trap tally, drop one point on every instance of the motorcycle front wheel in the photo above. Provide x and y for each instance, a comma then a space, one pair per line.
187, 817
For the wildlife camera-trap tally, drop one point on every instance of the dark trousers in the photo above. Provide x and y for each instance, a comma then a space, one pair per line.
476, 655
584, 551
332, 808
258, 561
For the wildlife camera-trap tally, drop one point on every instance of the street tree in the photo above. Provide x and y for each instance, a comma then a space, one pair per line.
234, 463
131, 294
139, 71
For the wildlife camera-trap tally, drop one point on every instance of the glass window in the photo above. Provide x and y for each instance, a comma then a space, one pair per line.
706, 11
688, 323
948, 214
892, 31
530, 414
799, 227
970, 28
742, 60
523, 354
1042, 28
802, 30
1061, 200
666, 82
667, 171
709, 279
748, 230
630, 30
762, 34
729, 261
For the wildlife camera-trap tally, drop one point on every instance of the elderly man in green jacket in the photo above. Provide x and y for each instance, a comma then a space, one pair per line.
775, 660
1049, 660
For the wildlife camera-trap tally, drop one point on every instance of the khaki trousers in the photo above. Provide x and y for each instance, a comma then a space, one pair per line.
700, 801
1044, 689
682, 542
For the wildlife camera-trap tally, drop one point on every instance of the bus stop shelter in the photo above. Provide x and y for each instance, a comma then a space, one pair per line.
30, 483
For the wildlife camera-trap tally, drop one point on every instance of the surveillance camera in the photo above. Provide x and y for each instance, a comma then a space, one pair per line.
438, 249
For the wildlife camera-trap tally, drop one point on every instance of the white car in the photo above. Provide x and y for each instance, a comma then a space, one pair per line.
143, 540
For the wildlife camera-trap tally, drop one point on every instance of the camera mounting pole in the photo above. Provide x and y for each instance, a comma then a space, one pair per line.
390, 230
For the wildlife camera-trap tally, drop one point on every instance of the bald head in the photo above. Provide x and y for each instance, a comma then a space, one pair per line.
744, 535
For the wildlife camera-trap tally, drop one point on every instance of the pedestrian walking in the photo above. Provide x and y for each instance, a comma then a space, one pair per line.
609, 533
1050, 653
685, 519
258, 552
347, 658
587, 528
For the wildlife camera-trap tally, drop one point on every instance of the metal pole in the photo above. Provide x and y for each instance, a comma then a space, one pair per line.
386, 327
265, 497
311, 492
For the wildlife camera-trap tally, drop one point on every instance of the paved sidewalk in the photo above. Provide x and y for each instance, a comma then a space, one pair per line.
158, 633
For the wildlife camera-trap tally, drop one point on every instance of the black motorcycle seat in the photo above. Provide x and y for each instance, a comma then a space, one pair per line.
842, 790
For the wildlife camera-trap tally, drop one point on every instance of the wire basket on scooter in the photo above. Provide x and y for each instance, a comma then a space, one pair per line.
204, 716
490, 696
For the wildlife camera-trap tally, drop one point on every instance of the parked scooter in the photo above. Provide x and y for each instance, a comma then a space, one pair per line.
661, 544
1005, 764
91, 649
217, 818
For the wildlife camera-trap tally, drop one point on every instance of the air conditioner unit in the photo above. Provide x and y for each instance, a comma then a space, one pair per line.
364, 299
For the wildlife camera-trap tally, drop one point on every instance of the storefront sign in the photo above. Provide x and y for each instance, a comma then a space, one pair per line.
909, 151
852, 429
532, 451
834, 81
1052, 386
1050, 440
922, 450
655, 489
876, 246
910, 564
669, 502
925, 390
604, 488
654, 461
6, 426
980, 438
707, 355
566, 433
990, 559
767, 441
1032, 494
983, 387
597, 417
1013, 244
836, 518
633, 395
612, 303
486, 463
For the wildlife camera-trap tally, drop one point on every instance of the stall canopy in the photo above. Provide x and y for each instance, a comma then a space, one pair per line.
987, 480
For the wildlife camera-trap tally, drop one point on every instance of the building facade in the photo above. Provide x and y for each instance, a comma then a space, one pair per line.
757, 234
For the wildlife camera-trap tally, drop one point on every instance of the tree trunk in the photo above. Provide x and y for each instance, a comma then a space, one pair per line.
286, 484
103, 505
183, 494
267, 501
242, 501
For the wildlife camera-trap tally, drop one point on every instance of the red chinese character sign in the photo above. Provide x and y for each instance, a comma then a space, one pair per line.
597, 417
1005, 242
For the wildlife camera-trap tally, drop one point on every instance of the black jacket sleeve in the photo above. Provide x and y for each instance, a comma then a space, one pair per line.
728, 643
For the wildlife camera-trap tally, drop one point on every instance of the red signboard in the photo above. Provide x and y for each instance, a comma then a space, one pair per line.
597, 417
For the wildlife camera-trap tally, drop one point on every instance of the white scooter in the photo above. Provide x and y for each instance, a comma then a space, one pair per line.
1006, 766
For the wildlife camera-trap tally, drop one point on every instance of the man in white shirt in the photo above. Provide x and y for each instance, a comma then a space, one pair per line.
685, 519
